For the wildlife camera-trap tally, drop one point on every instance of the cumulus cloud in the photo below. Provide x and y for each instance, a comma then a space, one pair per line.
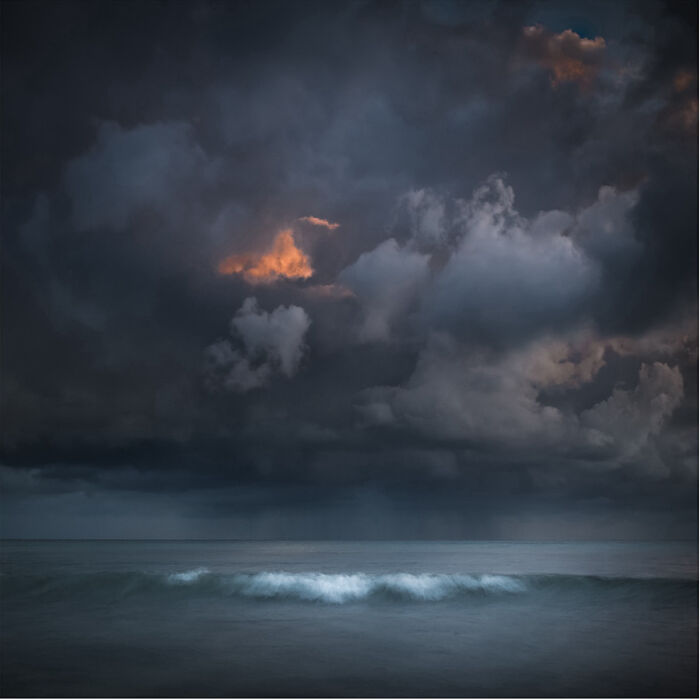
605, 229
629, 418
386, 280
459, 395
504, 279
463, 396
562, 362
264, 344
427, 217
568, 56
483, 272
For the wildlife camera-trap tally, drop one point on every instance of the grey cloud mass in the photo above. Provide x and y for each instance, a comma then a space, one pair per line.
272, 343
387, 280
499, 334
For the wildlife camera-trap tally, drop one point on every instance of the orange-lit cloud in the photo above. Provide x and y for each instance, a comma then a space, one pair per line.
319, 222
683, 80
680, 115
282, 260
688, 115
568, 56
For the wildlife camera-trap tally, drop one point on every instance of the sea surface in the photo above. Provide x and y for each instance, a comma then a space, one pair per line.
387, 619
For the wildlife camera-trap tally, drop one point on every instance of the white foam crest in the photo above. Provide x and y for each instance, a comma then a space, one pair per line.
343, 588
508, 584
186, 577
419, 586
330, 588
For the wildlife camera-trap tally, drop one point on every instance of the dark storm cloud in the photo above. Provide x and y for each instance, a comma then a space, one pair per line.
506, 309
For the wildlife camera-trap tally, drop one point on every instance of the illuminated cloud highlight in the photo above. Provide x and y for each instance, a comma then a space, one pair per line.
315, 221
568, 56
284, 260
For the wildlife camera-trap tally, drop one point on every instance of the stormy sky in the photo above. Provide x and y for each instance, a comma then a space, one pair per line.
360, 269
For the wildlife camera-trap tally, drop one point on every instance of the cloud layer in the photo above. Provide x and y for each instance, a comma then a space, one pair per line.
454, 245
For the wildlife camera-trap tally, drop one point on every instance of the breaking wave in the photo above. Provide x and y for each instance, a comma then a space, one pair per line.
337, 588
343, 588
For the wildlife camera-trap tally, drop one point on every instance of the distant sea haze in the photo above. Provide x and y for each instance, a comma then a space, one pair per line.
344, 619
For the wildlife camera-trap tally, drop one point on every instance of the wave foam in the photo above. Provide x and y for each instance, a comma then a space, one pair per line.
186, 577
336, 588
344, 588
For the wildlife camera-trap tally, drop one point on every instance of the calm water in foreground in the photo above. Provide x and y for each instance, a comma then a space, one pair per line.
220, 618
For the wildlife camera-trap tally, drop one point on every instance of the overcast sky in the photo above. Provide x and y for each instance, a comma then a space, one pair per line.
361, 269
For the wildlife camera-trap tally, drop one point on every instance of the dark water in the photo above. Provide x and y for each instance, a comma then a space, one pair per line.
348, 619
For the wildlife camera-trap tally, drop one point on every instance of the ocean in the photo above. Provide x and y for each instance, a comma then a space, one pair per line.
348, 619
